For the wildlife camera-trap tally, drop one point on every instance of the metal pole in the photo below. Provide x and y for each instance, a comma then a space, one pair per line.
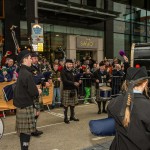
36, 10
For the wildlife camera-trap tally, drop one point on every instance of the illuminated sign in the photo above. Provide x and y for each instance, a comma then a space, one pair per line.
86, 42
37, 34
40, 47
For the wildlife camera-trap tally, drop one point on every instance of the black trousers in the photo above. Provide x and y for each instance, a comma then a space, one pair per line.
24, 141
99, 105
72, 113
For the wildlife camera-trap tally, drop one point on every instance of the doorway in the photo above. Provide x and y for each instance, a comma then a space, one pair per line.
83, 53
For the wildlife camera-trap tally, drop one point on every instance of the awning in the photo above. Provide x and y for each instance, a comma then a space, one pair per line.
82, 11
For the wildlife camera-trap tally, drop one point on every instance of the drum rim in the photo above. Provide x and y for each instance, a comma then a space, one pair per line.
105, 88
3, 127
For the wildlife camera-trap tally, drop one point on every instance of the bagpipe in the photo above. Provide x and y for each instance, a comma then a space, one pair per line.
102, 127
17, 48
8, 91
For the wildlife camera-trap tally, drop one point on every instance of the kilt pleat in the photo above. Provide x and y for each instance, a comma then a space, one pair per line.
25, 120
67, 100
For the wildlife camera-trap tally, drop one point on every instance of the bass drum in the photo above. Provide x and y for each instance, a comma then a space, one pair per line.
1, 128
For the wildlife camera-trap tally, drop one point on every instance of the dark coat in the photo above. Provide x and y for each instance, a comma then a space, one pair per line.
25, 90
137, 135
99, 75
7, 76
55, 76
87, 81
68, 79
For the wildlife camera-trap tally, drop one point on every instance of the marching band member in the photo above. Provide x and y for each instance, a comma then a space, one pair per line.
69, 90
101, 77
131, 112
24, 93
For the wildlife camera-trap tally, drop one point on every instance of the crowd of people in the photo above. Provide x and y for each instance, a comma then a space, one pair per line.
33, 73
87, 69
92, 74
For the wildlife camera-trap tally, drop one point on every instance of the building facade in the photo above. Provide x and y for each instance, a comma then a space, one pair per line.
96, 28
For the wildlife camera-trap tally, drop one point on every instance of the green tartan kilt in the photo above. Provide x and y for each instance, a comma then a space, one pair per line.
25, 120
67, 100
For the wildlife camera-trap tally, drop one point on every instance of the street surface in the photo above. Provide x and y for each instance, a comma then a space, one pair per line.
58, 135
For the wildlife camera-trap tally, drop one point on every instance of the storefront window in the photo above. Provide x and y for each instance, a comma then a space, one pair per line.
138, 15
121, 42
124, 10
148, 18
138, 12
23, 33
121, 27
148, 30
138, 39
138, 29
100, 3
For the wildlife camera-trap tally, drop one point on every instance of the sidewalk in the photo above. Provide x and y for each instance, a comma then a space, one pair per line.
104, 146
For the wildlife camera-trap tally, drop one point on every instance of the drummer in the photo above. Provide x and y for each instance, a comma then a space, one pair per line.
101, 77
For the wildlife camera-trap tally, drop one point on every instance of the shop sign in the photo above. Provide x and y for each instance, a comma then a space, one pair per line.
37, 34
40, 47
37, 47
87, 43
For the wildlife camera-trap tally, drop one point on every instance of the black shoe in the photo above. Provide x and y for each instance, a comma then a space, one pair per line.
74, 119
37, 133
99, 112
104, 111
66, 121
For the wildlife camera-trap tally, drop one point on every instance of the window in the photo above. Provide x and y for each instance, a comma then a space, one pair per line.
121, 42
91, 3
121, 27
124, 11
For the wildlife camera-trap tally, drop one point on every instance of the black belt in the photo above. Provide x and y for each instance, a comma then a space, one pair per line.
26, 107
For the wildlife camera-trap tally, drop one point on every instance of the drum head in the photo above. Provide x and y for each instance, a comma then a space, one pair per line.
1, 128
105, 88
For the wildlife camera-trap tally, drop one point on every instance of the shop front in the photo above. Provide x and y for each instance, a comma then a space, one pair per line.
84, 46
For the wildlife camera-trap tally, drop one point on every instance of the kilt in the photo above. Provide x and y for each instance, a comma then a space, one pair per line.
25, 120
67, 100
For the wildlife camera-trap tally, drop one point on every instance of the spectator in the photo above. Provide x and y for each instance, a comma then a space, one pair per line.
5, 76
56, 81
87, 82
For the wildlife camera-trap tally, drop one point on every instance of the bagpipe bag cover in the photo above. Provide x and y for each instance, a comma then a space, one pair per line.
102, 127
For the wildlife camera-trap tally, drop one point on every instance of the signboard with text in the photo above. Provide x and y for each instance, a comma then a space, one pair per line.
37, 34
87, 42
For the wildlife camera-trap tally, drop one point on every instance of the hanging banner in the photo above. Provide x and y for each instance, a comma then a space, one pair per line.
37, 34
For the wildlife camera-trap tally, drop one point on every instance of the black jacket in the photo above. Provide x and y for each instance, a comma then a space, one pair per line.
68, 79
55, 76
87, 81
25, 90
102, 77
137, 135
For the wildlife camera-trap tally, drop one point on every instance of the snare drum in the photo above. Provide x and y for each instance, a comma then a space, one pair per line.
1, 128
105, 92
